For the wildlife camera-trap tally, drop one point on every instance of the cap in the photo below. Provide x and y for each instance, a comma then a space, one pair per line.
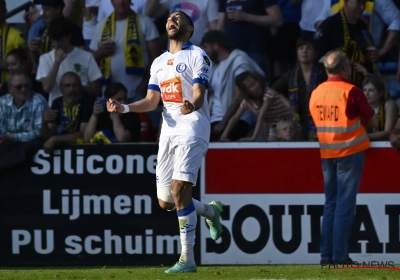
50, 3
216, 36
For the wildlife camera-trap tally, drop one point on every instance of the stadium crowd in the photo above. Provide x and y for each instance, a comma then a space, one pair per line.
267, 59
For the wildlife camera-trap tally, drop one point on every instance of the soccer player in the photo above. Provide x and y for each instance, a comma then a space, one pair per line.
180, 77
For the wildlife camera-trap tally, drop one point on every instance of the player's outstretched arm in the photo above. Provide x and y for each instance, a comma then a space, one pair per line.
149, 103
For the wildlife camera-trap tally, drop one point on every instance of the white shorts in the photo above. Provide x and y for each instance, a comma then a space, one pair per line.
179, 158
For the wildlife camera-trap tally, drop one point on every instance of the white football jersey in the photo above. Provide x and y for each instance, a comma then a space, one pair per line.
173, 75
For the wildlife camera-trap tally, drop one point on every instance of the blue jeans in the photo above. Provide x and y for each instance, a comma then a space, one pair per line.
342, 178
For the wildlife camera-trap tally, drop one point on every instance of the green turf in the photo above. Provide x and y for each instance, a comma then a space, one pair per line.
204, 272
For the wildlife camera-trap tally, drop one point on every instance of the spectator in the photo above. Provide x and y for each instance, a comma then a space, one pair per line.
35, 21
53, 9
66, 121
90, 13
346, 30
286, 130
21, 113
18, 59
297, 84
225, 97
375, 13
204, 14
111, 49
106, 8
65, 58
386, 109
262, 101
246, 23
340, 111
310, 9
10, 39
109, 127
281, 54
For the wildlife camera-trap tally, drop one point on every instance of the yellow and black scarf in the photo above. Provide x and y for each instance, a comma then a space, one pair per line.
46, 45
294, 98
352, 51
133, 46
381, 116
69, 118
3, 49
104, 136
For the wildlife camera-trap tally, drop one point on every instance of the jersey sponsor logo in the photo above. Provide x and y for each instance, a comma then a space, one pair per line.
181, 67
188, 8
171, 90
170, 61
206, 60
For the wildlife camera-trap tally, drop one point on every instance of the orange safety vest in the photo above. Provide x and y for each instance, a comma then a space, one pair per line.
338, 135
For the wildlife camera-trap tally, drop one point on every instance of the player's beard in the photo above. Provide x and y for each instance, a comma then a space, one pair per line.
178, 35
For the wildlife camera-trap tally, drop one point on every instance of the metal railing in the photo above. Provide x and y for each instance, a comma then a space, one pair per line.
20, 8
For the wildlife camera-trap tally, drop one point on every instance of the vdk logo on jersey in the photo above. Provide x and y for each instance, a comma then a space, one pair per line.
171, 90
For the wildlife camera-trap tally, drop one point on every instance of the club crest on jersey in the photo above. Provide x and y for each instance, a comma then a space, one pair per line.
181, 67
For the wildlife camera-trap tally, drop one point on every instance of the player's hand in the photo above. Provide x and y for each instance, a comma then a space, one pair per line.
114, 106
187, 108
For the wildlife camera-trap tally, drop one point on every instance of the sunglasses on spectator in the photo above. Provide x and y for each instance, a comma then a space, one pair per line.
71, 85
21, 86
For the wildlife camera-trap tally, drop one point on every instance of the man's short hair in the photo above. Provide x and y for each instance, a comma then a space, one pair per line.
59, 27
50, 3
336, 63
17, 72
70, 73
217, 36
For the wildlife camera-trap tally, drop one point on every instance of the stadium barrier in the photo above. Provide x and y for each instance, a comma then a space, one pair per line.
274, 196
97, 205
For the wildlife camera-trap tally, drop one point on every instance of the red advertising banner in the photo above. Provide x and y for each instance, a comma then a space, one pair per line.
290, 168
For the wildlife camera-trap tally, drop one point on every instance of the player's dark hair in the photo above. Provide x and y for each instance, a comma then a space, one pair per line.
189, 20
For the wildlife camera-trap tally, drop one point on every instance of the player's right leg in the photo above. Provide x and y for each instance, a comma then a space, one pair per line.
164, 171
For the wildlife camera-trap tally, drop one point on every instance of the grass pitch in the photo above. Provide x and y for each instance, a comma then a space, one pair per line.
203, 272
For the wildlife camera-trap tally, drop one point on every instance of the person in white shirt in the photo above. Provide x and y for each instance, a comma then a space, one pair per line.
106, 8
383, 11
89, 20
204, 14
180, 77
123, 54
65, 58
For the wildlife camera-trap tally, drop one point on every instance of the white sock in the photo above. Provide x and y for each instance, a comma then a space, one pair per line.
187, 218
203, 209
